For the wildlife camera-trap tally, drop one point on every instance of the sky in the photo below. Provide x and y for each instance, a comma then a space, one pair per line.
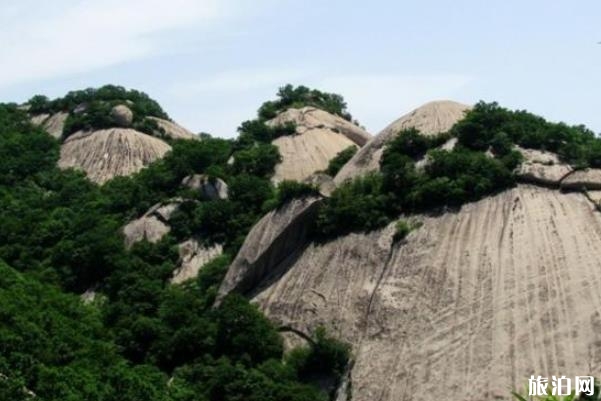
212, 63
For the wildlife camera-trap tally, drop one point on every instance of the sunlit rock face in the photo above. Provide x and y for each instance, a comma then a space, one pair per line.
430, 119
319, 137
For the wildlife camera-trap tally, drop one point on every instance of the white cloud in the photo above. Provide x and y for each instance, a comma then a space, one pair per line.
63, 37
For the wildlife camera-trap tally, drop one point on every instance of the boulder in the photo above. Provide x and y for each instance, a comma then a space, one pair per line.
430, 119
122, 115
109, 153
319, 137
274, 238
211, 188
193, 256
153, 225
542, 168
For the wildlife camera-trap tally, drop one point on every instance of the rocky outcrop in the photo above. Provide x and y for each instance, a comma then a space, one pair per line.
309, 118
279, 234
467, 307
173, 130
319, 137
429, 119
210, 188
153, 225
587, 179
542, 168
122, 115
53, 124
193, 256
39, 119
323, 182
109, 153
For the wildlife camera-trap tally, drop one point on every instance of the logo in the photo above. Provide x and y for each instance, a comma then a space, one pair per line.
540, 386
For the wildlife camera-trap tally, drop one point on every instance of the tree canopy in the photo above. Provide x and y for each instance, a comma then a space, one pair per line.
141, 338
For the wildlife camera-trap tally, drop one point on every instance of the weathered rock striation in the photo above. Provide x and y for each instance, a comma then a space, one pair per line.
109, 153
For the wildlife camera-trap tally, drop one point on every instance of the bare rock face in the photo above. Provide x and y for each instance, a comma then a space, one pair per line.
53, 124
210, 188
122, 115
274, 238
109, 153
587, 179
193, 256
153, 225
542, 168
173, 130
430, 119
467, 307
39, 119
319, 137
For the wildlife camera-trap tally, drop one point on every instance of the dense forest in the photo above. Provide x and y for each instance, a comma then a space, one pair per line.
141, 338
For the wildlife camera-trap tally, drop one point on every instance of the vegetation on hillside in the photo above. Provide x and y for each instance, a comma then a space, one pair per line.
340, 160
91, 109
482, 163
142, 338
290, 96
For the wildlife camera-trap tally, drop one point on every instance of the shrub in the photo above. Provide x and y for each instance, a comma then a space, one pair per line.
403, 228
288, 190
489, 125
357, 205
411, 143
259, 160
301, 96
325, 358
340, 160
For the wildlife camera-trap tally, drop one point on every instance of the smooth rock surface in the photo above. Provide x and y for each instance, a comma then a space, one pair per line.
173, 130
274, 238
319, 137
193, 256
109, 153
589, 179
210, 188
466, 308
431, 119
53, 124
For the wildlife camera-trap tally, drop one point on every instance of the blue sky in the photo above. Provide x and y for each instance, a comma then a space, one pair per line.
211, 63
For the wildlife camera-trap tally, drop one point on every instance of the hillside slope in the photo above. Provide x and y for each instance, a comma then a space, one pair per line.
430, 119
472, 303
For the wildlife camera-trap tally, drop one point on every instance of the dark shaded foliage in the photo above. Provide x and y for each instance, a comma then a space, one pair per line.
290, 96
63, 230
340, 160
